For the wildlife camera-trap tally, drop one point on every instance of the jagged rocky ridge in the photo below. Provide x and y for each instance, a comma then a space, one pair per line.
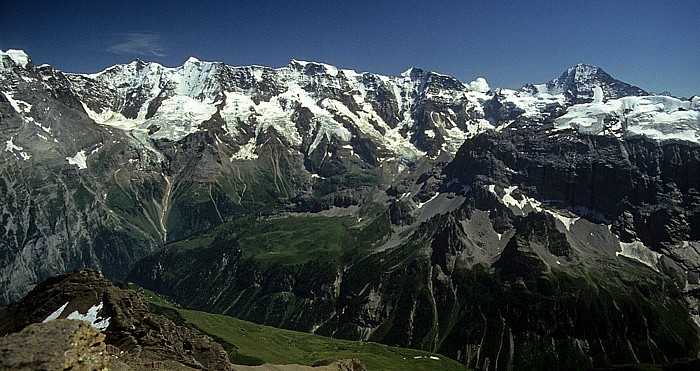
134, 337
467, 211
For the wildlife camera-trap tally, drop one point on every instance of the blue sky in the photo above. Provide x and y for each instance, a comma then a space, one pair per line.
652, 44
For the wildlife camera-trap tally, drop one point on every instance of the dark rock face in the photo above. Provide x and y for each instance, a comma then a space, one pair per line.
141, 337
649, 188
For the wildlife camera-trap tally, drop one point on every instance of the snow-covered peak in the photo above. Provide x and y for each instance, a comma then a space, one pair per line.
298, 62
18, 57
193, 79
416, 73
411, 72
432, 83
579, 76
313, 67
139, 62
581, 73
584, 71
579, 84
125, 74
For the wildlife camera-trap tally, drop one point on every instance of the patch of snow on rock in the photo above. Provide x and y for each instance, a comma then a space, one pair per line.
20, 106
421, 204
509, 200
527, 204
636, 250
56, 313
92, 317
11, 147
247, 152
80, 160
567, 221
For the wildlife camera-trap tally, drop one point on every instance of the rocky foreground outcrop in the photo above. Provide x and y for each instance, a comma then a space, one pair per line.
121, 331
57, 345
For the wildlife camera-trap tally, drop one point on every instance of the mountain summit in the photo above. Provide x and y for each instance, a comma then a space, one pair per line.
579, 83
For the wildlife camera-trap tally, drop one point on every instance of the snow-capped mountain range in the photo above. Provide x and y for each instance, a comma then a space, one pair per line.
415, 114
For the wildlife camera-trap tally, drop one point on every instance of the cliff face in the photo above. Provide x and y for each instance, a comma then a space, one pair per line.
647, 192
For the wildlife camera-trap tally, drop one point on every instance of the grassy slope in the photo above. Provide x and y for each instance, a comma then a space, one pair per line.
248, 342
294, 240
279, 346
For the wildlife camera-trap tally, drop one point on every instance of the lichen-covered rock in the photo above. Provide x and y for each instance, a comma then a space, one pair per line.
57, 345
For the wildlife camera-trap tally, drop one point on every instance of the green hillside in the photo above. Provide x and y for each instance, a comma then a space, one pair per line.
253, 344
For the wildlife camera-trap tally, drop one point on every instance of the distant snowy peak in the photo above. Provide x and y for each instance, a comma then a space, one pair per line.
430, 81
579, 84
189, 79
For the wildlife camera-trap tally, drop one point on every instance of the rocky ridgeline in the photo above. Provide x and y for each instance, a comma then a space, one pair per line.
115, 326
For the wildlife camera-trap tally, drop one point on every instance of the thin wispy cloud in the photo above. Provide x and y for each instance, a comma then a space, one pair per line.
139, 44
